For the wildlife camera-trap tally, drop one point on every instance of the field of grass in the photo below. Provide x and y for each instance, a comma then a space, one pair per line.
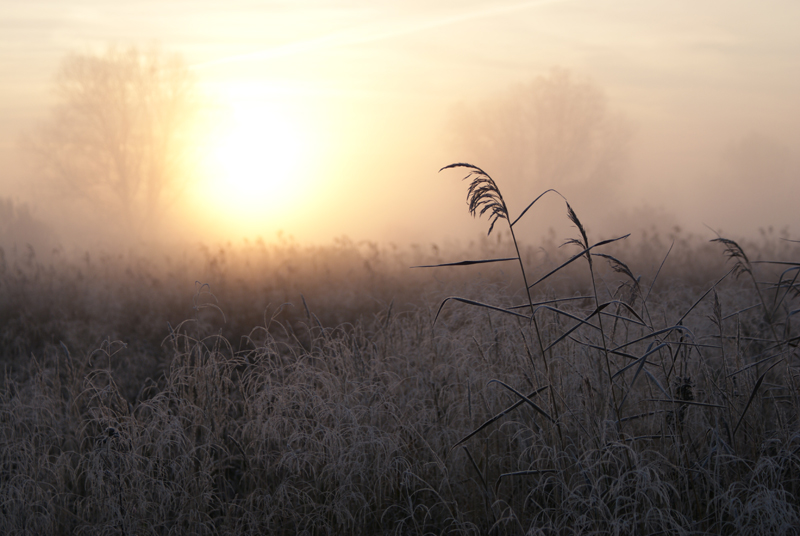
281, 389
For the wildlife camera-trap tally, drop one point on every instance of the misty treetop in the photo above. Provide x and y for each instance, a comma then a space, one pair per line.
117, 139
557, 131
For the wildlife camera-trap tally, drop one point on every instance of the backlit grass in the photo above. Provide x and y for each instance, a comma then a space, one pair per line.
287, 390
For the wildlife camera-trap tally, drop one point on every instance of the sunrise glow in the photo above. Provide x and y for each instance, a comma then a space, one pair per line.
255, 168
364, 267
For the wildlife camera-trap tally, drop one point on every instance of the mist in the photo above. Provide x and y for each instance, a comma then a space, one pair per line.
670, 116
358, 267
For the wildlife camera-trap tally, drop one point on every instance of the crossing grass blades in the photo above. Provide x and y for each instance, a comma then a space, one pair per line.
677, 432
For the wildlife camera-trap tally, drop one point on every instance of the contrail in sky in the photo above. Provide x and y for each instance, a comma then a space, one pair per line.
339, 39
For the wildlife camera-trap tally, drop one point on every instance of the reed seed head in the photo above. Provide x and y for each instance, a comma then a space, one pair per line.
735, 252
483, 195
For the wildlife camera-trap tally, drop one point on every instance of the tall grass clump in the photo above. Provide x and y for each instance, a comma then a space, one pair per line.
597, 389
642, 420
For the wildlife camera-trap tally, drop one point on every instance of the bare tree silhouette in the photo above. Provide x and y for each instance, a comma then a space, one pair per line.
552, 132
118, 136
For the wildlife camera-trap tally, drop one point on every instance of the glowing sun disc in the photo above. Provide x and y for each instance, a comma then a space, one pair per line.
255, 162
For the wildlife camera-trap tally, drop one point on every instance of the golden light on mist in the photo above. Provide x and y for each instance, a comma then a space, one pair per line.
255, 169
333, 122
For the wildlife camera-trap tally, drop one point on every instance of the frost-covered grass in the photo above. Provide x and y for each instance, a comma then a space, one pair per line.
135, 401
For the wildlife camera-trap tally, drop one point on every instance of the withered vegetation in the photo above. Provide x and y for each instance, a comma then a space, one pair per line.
625, 386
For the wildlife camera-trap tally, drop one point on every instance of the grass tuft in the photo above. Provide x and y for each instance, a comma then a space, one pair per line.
649, 394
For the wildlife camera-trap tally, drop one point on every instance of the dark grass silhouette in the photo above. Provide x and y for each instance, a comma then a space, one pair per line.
581, 394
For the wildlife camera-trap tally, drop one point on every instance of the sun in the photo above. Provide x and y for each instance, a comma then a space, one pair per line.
255, 163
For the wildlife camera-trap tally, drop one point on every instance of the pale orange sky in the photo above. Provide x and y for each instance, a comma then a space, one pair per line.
371, 87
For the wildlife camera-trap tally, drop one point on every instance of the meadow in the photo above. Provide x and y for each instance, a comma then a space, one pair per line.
647, 385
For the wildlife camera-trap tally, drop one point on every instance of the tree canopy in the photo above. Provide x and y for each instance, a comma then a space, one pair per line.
553, 132
119, 135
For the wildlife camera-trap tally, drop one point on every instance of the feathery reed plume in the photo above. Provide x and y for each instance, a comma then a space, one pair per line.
620, 267
483, 194
585, 243
735, 252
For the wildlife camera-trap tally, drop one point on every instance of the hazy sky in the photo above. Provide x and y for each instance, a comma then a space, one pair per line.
363, 93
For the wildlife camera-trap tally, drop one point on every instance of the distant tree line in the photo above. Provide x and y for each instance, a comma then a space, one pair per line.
556, 131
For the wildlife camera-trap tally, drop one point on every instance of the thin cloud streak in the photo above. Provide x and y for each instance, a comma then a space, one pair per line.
340, 39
